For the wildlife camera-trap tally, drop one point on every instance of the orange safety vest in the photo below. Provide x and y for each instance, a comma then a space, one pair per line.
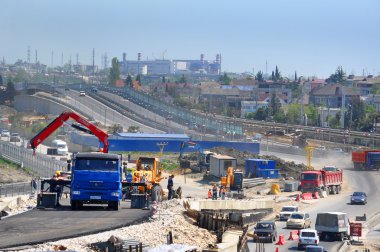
209, 195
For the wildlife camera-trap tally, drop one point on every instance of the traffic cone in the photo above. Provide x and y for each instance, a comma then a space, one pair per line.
277, 249
298, 197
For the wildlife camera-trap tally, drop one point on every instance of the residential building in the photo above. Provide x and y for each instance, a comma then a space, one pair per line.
333, 96
252, 107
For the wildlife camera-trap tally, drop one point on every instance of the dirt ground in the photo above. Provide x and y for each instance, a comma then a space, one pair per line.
11, 174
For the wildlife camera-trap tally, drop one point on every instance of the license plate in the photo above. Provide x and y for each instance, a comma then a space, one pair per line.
95, 197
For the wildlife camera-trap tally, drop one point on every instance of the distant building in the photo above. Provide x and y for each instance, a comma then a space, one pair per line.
251, 107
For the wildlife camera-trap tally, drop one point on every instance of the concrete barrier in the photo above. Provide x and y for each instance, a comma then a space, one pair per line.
231, 204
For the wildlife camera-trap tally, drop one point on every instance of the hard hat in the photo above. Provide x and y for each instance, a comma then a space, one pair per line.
57, 173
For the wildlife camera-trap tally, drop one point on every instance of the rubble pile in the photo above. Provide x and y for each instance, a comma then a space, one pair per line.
23, 204
168, 216
290, 168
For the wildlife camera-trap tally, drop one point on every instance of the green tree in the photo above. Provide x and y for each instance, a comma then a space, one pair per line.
138, 78
334, 121
295, 76
21, 76
129, 81
260, 76
312, 114
225, 79
277, 75
275, 105
114, 72
338, 76
261, 114
163, 79
280, 116
293, 113
272, 76
183, 79
1, 80
10, 92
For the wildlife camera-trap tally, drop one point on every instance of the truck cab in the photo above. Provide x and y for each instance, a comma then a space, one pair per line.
96, 179
311, 180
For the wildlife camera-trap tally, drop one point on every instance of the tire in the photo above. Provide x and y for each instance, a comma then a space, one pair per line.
73, 204
114, 205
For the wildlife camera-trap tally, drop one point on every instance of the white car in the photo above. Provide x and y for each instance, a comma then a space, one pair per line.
5, 133
286, 211
308, 237
82, 93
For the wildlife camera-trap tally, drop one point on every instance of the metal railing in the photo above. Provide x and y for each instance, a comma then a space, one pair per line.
13, 189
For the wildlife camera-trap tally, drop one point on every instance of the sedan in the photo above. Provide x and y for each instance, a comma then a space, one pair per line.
265, 231
359, 198
299, 220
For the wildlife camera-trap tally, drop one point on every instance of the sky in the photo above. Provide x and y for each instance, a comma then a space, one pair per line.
312, 37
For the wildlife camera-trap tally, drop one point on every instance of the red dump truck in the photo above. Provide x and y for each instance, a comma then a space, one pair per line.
323, 180
366, 159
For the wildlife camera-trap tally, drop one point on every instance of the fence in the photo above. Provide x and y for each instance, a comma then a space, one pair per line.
14, 189
40, 164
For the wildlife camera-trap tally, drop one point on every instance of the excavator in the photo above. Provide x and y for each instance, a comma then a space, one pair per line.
96, 176
233, 181
203, 161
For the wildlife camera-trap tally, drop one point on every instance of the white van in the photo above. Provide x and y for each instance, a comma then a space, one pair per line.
61, 146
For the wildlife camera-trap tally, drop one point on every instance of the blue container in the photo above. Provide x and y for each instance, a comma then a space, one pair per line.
253, 165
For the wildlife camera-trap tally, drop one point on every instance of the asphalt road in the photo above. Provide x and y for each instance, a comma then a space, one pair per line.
37, 226
366, 181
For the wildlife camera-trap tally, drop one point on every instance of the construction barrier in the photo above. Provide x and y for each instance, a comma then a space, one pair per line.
316, 195
293, 235
277, 249
281, 240
307, 196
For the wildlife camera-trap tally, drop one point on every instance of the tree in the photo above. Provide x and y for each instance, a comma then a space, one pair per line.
225, 79
338, 76
138, 78
129, 81
183, 79
275, 105
293, 113
1, 80
312, 114
280, 116
10, 92
21, 76
272, 77
114, 72
163, 79
261, 114
260, 76
277, 75
295, 76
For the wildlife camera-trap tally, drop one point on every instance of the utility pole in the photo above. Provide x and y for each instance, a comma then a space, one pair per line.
52, 59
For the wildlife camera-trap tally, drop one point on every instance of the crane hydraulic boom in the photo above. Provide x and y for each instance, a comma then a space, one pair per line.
54, 125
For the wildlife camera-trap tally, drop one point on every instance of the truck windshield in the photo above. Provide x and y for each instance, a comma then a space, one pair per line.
309, 176
96, 165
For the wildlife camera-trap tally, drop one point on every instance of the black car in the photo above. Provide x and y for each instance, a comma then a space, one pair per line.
359, 198
265, 231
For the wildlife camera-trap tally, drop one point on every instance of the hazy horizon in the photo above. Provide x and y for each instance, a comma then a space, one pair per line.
310, 37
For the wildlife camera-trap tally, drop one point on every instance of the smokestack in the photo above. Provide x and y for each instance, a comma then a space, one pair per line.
202, 58
139, 56
124, 57
218, 58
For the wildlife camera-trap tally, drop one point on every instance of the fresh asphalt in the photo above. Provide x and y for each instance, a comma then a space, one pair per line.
42, 225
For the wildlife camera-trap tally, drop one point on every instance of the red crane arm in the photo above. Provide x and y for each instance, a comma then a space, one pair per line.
54, 125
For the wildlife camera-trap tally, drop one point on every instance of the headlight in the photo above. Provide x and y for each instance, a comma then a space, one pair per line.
116, 194
76, 192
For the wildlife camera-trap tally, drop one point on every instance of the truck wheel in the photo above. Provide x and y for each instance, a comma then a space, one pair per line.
113, 205
73, 204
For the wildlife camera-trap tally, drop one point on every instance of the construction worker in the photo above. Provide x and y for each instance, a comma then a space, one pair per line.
170, 186
223, 192
55, 187
209, 194
214, 192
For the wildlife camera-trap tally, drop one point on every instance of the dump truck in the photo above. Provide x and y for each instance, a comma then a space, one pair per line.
333, 226
322, 180
366, 159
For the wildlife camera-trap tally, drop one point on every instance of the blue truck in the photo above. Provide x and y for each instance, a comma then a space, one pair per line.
96, 179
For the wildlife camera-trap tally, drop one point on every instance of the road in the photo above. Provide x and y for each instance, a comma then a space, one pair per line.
37, 226
366, 181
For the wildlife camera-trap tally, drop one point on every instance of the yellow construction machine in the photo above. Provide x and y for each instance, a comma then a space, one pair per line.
233, 180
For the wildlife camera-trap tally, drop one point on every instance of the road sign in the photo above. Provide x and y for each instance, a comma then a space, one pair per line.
356, 229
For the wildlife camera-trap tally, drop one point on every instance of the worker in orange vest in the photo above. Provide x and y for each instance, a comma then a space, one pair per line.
209, 194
